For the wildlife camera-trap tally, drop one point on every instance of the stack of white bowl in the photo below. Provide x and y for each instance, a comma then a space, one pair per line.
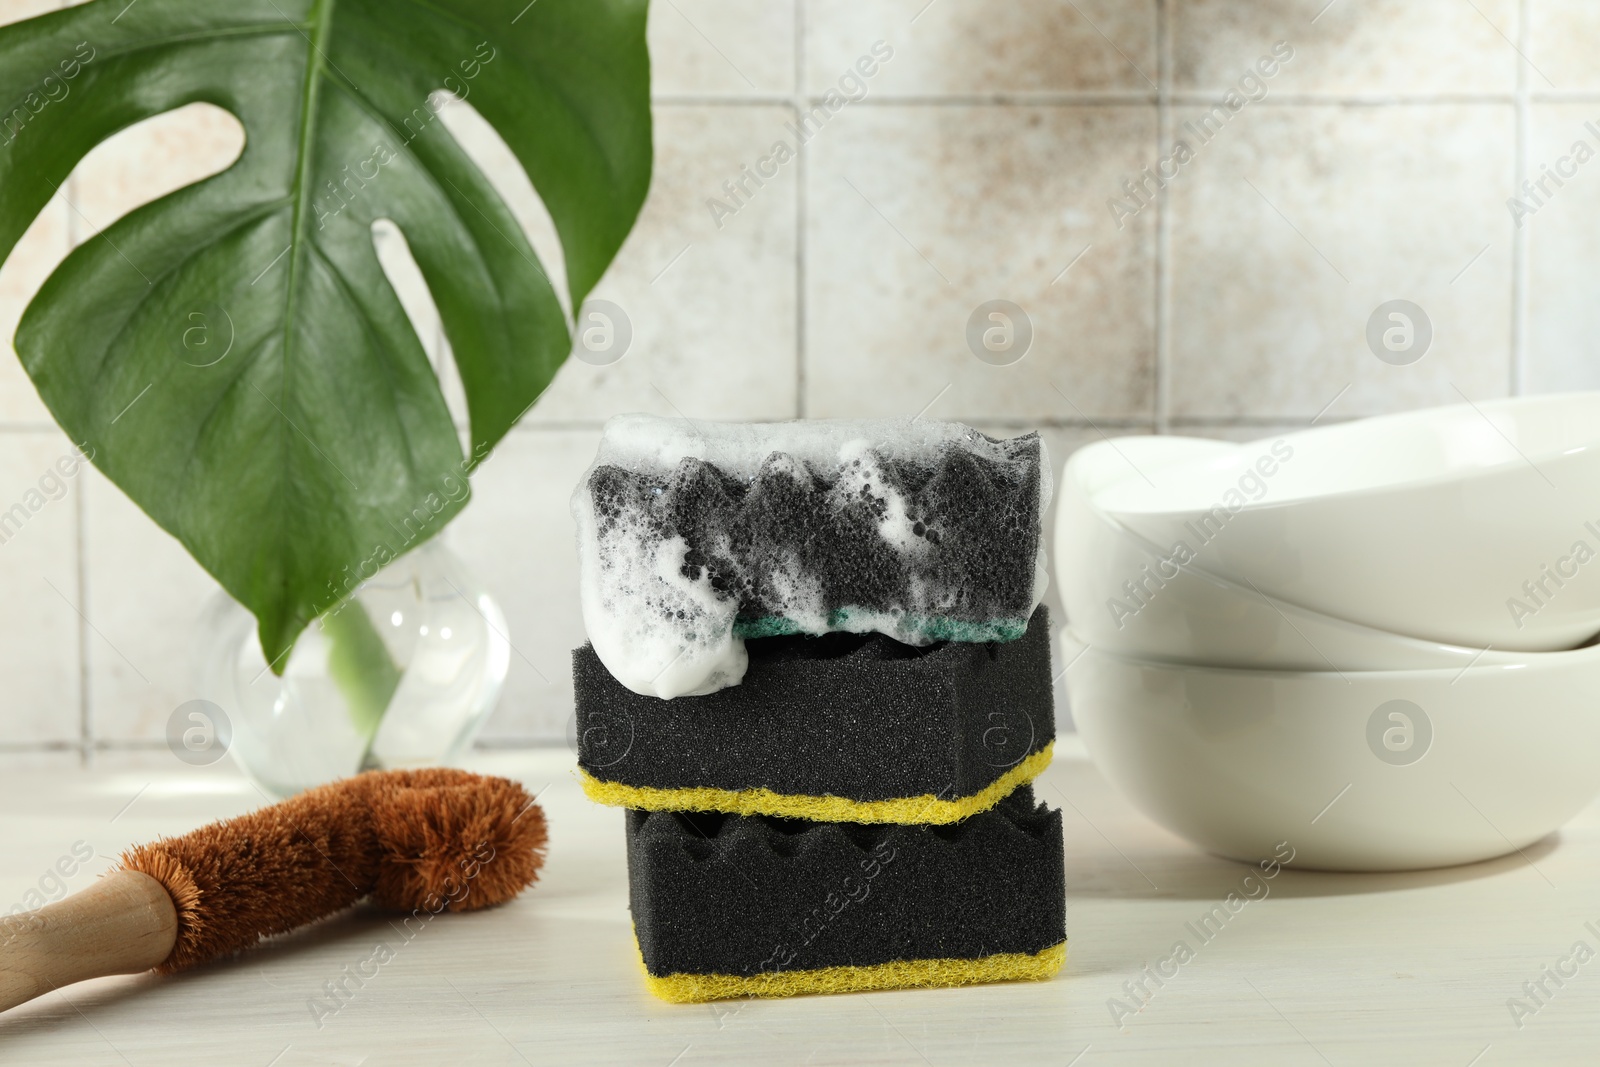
1369, 640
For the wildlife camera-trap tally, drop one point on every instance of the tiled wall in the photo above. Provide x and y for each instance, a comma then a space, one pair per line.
979, 165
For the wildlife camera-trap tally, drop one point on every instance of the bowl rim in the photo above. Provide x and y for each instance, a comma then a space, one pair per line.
1293, 610
1573, 657
1366, 425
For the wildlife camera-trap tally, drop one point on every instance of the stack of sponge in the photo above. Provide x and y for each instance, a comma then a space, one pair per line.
819, 677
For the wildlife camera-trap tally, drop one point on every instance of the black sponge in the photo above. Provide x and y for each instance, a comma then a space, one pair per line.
842, 727
728, 905
958, 563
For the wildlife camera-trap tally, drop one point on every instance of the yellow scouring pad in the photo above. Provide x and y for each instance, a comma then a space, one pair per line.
900, 974
927, 808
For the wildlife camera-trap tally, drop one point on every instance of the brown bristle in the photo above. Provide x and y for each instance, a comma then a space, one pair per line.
437, 839
454, 841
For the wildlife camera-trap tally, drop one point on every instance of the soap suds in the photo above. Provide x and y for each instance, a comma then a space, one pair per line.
694, 535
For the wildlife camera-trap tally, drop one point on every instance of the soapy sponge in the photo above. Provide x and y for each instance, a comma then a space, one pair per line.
694, 536
839, 728
728, 905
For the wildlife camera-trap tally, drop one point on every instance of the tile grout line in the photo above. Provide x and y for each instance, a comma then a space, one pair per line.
1561, 96
1271, 419
800, 178
86, 724
1129, 98
1162, 372
1519, 234
86, 733
22, 427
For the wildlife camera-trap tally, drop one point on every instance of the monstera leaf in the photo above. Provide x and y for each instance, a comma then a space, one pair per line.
232, 355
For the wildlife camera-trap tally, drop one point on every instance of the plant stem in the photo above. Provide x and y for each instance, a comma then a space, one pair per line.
360, 665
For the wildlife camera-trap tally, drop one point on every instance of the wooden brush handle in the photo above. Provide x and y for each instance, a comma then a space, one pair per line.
123, 924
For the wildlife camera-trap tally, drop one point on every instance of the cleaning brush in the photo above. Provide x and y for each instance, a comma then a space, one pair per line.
428, 840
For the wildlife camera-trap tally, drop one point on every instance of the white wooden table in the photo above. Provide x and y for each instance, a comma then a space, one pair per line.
1326, 969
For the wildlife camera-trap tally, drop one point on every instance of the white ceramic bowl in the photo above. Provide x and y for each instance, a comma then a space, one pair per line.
1469, 525
1127, 595
1471, 765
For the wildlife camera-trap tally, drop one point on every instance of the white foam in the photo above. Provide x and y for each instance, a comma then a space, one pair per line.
666, 635
659, 633
649, 443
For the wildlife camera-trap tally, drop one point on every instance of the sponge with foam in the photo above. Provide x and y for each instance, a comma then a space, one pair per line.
694, 536
728, 906
843, 727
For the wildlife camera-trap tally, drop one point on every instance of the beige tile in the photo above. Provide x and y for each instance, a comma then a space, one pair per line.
1291, 227
714, 354
722, 47
17, 10
1354, 46
712, 308
39, 585
1247, 433
1561, 44
146, 594
917, 215
981, 46
1563, 253
151, 159
517, 536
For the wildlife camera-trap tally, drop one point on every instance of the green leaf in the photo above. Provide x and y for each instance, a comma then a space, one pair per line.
232, 355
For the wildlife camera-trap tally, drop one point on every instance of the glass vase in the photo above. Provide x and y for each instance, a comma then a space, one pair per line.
403, 673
